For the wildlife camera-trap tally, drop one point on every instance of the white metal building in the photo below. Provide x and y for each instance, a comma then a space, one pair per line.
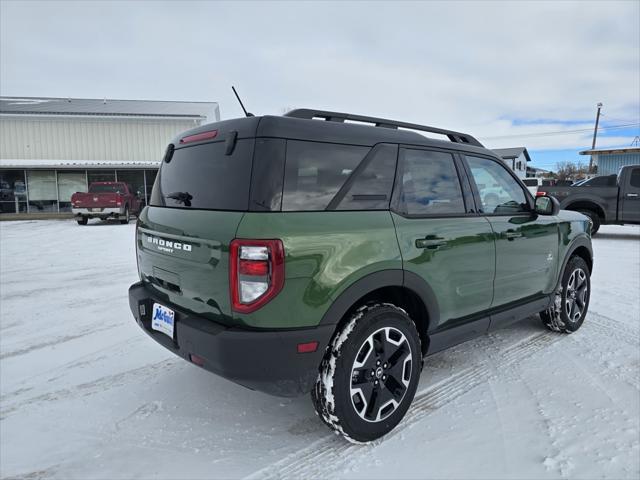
53, 147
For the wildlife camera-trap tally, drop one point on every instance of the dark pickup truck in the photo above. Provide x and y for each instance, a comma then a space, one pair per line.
606, 200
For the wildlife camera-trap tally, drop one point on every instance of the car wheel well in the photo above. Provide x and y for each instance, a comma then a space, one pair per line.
586, 205
402, 297
583, 253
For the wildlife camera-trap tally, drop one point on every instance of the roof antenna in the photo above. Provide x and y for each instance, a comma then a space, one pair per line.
246, 114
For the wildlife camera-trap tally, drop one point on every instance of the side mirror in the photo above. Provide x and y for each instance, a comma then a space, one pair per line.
546, 205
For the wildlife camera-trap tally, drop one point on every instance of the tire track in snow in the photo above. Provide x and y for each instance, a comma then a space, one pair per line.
96, 386
612, 328
330, 455
56, 341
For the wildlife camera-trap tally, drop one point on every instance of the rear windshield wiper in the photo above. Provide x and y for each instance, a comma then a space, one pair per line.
182, 197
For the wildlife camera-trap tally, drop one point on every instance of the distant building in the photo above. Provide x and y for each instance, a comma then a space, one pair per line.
609, 160
537, 172
53, 147
515, 158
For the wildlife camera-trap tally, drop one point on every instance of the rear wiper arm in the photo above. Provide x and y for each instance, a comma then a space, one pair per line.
182, 197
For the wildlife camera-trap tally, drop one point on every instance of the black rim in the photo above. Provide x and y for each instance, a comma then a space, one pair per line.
380, 374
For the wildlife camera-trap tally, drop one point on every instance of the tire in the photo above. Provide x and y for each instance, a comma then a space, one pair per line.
571, 302
369, 374
595, 220
126, 218
82, 220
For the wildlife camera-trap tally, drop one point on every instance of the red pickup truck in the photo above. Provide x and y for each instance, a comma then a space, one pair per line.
105, 200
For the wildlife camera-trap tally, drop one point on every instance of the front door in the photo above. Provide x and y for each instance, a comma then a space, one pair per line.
526, 243
440, 239
631, 197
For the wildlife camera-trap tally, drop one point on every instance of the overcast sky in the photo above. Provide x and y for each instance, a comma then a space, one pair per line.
494, 69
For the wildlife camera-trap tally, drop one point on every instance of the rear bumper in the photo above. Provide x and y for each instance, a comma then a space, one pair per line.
265, 360
104, 212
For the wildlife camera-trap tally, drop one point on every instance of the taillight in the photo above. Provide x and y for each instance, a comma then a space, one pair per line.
199, 137
256, 273
540, 194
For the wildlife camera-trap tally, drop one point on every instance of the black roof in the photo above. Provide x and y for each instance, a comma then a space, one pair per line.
296, 128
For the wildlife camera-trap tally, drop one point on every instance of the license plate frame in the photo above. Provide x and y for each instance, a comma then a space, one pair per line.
163, 320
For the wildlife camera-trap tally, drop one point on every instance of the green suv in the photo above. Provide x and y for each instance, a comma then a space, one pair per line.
329, 253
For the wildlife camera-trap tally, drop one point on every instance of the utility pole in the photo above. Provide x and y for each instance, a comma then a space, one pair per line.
595, 134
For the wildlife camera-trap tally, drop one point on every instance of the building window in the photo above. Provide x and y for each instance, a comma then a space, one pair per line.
135, 180
13, 192
43, 191
70, 182
149, 180
101, 176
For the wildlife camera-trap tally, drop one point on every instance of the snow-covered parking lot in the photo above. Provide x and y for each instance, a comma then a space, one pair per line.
86, 394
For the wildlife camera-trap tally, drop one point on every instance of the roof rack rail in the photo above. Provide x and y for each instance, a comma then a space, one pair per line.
310, 114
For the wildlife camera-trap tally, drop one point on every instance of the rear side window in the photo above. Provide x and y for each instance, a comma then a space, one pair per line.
429, 184
530, 182
370, 185
204, 177
315, 172
603, 181
107, 188
635, 177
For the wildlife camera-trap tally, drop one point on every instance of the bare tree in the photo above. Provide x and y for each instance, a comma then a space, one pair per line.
571, 170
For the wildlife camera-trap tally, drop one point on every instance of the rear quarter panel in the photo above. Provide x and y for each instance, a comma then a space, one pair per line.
325, 252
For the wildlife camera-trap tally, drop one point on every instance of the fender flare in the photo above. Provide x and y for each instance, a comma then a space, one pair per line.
381, 279
587, 199
581, 241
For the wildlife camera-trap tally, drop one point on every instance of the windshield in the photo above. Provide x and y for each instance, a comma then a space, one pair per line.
205, 177
107, 188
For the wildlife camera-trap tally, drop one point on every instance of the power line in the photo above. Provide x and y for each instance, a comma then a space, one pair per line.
560, 132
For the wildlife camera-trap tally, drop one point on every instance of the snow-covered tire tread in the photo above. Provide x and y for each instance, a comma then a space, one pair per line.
322, 394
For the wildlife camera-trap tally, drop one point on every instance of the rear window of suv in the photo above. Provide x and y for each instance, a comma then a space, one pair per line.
204, 177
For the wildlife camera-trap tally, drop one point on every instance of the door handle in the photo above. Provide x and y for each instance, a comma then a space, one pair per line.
430, 243
512, 235
632, 194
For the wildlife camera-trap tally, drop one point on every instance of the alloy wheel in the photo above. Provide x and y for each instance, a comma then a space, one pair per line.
380, 374
575, 299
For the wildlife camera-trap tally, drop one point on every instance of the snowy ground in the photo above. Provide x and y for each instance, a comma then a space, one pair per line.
86, 394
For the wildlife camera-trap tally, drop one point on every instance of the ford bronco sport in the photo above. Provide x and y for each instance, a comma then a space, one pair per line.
329, 253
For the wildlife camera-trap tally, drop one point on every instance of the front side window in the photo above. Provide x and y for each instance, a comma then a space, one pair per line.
429, 184
499, 192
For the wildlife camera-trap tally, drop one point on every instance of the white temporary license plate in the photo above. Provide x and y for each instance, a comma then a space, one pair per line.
96, 209
162, 319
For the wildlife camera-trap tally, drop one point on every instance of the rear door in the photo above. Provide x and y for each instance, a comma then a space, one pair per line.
183, 237
630, 192
526, 243
441, 239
